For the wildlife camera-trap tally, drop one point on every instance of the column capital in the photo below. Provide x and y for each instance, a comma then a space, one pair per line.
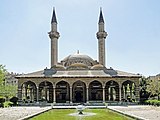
54, 87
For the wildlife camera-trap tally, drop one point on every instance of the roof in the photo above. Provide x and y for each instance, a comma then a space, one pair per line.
80, 73
78, 58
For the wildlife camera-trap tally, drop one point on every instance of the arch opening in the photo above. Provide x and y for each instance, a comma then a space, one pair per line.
112, 91
62, 92
46, 91
29, 92
79, 92
95, 91
128, 91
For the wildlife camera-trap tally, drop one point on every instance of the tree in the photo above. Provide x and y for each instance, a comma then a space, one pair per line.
153, 87
143, 89
2, 74
6, 90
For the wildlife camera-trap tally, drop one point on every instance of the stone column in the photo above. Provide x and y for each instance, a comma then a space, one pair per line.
120, 92
19, 93
70, 94
37, 93
130, 91
54, 94
125, 92
25, 91
104, 95
87, 95
137, 93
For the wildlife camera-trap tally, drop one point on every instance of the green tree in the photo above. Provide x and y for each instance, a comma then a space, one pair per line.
6, 91
2, 75
143, 89
153, 87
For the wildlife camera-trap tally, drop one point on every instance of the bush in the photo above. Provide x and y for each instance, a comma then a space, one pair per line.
153, 102
7, 104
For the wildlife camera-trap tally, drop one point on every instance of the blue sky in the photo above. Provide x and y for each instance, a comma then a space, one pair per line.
133, 27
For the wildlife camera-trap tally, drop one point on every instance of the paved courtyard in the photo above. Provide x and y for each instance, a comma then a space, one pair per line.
146, 112
16, 113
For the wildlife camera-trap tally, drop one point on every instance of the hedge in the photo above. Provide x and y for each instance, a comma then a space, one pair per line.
153, 102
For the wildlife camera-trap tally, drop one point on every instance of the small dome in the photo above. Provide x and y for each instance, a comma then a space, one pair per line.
97, 67
59, 67
78, 58
77, 66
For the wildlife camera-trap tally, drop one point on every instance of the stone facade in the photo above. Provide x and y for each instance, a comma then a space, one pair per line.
80, 87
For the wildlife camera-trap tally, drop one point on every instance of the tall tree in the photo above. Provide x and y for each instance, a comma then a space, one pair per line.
143, 89
153, 87
2, 74
6, 90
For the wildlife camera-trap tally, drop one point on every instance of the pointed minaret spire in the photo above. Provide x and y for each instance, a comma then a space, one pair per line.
54, 20
54, 35
101, 16
101, 36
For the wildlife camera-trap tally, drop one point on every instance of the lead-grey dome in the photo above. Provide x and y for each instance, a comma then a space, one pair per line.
78, 58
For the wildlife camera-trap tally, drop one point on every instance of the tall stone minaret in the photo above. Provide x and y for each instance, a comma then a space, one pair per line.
101, 36
54, 35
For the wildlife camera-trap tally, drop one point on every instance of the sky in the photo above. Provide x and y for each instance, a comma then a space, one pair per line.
132, 44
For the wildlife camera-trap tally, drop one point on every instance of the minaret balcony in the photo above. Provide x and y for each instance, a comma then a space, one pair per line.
54, 34
101, 35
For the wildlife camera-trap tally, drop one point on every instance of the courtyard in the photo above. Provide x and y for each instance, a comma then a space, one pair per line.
19, 113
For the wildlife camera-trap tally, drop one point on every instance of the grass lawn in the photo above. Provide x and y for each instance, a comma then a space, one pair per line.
63, 114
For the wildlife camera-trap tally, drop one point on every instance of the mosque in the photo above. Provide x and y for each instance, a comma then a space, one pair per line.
78, 78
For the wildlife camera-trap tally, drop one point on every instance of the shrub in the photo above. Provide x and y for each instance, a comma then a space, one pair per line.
7, 104
153, 102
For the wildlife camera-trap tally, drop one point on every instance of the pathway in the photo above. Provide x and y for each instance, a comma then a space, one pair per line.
145, 112
16, 113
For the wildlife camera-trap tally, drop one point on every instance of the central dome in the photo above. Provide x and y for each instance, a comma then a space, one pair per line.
78, 58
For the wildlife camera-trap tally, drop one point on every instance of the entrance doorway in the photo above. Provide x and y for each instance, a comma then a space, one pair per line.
62, 92
79, 92
79, 96
95, 91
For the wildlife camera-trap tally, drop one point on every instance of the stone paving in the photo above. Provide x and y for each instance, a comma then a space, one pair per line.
16, 113
145, 112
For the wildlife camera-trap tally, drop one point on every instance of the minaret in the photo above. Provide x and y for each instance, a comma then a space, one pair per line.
54, 35
101, 36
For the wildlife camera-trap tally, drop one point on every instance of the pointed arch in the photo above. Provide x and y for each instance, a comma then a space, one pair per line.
112, 91
95, 91
128, 90
79, 92
46, 91
29, 91
62, 92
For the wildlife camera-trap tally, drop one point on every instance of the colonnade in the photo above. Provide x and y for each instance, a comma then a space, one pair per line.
78, 92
